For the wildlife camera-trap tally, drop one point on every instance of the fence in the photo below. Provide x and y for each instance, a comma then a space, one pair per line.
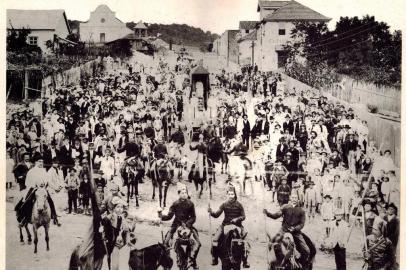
384, 133
351, 91
69, 77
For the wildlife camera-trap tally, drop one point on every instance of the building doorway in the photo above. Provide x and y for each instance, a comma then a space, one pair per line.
102, 37
282, 58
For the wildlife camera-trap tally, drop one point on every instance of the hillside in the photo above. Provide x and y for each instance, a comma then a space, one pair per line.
180, 34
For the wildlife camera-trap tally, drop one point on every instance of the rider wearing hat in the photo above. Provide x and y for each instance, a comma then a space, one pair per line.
233, 214
36, 177
293, 222
184, 211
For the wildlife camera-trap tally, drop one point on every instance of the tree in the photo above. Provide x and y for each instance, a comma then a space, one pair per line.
361, 48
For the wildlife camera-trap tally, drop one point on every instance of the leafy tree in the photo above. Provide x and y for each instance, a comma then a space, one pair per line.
359, 47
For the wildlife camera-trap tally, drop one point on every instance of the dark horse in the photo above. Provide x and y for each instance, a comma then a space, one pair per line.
150, 258
232, 248
132, 173
284, 255
161, 173
208, 175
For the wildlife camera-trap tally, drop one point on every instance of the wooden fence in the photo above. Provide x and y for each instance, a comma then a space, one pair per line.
384, 133
351, 91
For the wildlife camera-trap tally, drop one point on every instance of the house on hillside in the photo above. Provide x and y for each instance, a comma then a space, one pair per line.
226, 45
102, 27
44, 25
273, 31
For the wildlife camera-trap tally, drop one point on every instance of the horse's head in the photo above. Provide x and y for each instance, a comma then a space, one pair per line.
183, 232
287, 239
41, 200
165, 259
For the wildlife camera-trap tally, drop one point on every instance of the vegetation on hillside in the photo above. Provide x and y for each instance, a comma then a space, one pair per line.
363, 49
180, 34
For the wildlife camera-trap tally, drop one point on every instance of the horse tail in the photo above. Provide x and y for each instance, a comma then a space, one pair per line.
74, 262
311, 246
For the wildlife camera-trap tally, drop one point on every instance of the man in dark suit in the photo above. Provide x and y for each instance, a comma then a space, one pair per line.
50, 153
65, 156
257, 128
392, 226
281, 149
99, 126
291, 166
246, 131
288, 127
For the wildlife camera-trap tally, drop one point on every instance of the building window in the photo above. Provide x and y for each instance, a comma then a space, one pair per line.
282, 30
247, 31
102, 20
102, 37
33, 40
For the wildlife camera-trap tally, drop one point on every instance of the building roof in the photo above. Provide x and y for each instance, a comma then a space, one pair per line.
294, 11
248, 25
271, 4
250, 36
35, 19
199, 70
140, 25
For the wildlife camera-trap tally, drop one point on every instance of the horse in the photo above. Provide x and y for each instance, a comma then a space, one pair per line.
208, 175
132, 172
232, 248
23, 225
41, 215
161, 174
183, 247
150, 258
284, 255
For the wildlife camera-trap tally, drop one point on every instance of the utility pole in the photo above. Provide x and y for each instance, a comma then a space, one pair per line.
252, 52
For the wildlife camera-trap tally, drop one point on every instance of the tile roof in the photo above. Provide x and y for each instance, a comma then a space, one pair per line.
248, 25
295, 11
140, 25
35, 19
199, 70
271, 4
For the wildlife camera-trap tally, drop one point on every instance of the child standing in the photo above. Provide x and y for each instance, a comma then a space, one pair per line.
311, 200
327, 213
72, 184
84, 191
283, 192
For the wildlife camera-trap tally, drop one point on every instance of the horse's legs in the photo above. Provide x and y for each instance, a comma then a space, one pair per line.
21, 234
35, 238
153, 190
160, 194
128, 193
165, 193
46, 227
28, 234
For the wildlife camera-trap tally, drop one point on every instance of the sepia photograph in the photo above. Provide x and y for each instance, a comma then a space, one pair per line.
202, 134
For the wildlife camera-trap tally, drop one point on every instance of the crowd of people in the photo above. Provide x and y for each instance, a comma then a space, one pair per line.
313, 155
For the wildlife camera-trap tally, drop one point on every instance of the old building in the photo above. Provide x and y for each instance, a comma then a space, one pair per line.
103, 26
140, 29
226, 46
45, 25
276, 22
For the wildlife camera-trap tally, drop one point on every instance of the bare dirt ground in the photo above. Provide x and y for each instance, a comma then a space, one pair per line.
20, 256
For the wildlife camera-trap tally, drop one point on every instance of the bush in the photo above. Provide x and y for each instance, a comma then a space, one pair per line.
372, 108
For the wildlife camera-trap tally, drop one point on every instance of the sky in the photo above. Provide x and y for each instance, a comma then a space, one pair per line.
216, 15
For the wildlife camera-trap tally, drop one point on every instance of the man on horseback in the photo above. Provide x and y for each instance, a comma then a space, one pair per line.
36, 177
184, 211
293, 222
233, 214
